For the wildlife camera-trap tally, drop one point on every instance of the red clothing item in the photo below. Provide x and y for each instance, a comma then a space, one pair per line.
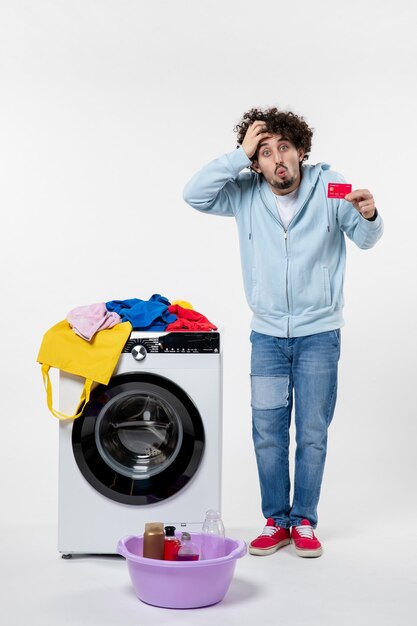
188, 319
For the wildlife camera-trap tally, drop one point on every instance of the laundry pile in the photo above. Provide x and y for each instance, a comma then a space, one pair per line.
76, 346
155, 314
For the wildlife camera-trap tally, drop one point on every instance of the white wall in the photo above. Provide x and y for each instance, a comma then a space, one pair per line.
106, 110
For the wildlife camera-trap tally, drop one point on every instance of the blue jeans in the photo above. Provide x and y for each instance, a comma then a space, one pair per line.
303, 369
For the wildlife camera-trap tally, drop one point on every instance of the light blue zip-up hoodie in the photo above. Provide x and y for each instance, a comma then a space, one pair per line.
293, 278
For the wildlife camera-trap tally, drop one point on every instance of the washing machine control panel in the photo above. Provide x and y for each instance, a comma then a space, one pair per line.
174, 343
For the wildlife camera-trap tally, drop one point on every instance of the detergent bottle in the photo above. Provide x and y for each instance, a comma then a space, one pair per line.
153, 540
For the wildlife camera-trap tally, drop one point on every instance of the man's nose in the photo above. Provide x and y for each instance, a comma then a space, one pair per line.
278, 157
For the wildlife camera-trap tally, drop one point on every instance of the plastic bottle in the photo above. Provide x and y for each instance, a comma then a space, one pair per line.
213, 542
172, 544
153, 540
188, 550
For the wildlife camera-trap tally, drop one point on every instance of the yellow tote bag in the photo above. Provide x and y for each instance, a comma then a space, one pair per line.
93, 360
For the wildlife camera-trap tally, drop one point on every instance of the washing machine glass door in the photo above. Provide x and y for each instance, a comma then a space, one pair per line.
140, 439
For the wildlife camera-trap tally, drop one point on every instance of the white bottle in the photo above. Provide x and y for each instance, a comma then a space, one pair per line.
213, 542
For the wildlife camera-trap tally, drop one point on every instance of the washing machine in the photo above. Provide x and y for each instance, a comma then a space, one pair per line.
147, 447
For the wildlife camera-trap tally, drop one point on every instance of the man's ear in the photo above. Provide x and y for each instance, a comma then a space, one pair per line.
301, 154
255, 166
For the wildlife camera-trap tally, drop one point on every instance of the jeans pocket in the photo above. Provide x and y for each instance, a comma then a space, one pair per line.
269, 392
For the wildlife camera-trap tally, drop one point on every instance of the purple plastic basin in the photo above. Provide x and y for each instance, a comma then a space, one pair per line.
180, 585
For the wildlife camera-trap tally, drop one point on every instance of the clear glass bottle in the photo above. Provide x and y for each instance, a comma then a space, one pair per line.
213, 542
188, 550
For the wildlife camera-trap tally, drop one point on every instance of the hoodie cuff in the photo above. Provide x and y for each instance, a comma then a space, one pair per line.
373, 218
238, 160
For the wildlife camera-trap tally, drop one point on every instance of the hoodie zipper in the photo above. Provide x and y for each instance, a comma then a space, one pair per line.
286, 244
287, 259
286, 256
286, 281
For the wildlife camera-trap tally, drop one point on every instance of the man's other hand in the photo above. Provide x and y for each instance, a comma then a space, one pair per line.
363, 201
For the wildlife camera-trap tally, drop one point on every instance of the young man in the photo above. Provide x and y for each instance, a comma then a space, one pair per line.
292, 242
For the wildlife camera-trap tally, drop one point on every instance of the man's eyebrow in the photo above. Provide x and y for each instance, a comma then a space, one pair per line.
266, 142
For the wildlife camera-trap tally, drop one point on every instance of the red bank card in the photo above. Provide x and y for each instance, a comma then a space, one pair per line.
338, 190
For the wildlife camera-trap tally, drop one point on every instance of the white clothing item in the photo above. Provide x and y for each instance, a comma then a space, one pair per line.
287, 206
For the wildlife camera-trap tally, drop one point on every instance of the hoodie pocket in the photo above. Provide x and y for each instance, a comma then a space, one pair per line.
254, 288
326, 286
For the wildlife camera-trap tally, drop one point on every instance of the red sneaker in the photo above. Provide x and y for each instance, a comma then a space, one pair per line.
271, 539
305, 541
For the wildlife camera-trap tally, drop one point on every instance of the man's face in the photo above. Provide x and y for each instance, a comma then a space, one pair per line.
279, 161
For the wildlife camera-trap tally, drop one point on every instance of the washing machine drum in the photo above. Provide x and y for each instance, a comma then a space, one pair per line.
140, 439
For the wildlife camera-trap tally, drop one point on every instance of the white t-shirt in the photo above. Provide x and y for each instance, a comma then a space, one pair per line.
287, 206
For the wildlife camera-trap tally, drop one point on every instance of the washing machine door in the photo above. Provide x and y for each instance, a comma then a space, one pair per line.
140, 439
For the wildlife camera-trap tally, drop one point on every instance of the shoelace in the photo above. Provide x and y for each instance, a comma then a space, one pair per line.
305, 531
269, 531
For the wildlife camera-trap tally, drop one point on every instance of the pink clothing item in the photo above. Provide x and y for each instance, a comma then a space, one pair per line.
87, 320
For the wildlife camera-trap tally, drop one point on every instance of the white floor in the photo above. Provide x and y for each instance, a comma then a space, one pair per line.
361, 580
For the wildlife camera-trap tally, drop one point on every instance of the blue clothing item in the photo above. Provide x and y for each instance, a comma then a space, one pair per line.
305, 367
293, 277
149, 315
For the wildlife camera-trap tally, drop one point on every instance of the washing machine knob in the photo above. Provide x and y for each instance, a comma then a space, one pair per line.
139, 352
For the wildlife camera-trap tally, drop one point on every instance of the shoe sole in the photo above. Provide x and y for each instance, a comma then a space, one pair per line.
266, 551
309, 553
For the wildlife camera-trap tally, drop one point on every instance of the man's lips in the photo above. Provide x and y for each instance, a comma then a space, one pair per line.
281, 171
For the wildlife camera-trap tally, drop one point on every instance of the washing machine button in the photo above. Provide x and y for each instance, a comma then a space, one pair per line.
139, 352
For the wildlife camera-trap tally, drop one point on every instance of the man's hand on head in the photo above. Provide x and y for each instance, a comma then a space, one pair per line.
363, 201
253, 136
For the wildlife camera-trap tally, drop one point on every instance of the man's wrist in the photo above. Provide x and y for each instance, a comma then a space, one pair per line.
373, 218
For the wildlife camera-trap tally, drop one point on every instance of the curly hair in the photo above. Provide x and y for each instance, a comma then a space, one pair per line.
285, 123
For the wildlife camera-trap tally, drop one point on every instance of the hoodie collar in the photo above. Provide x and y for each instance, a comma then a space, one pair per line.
309, 177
